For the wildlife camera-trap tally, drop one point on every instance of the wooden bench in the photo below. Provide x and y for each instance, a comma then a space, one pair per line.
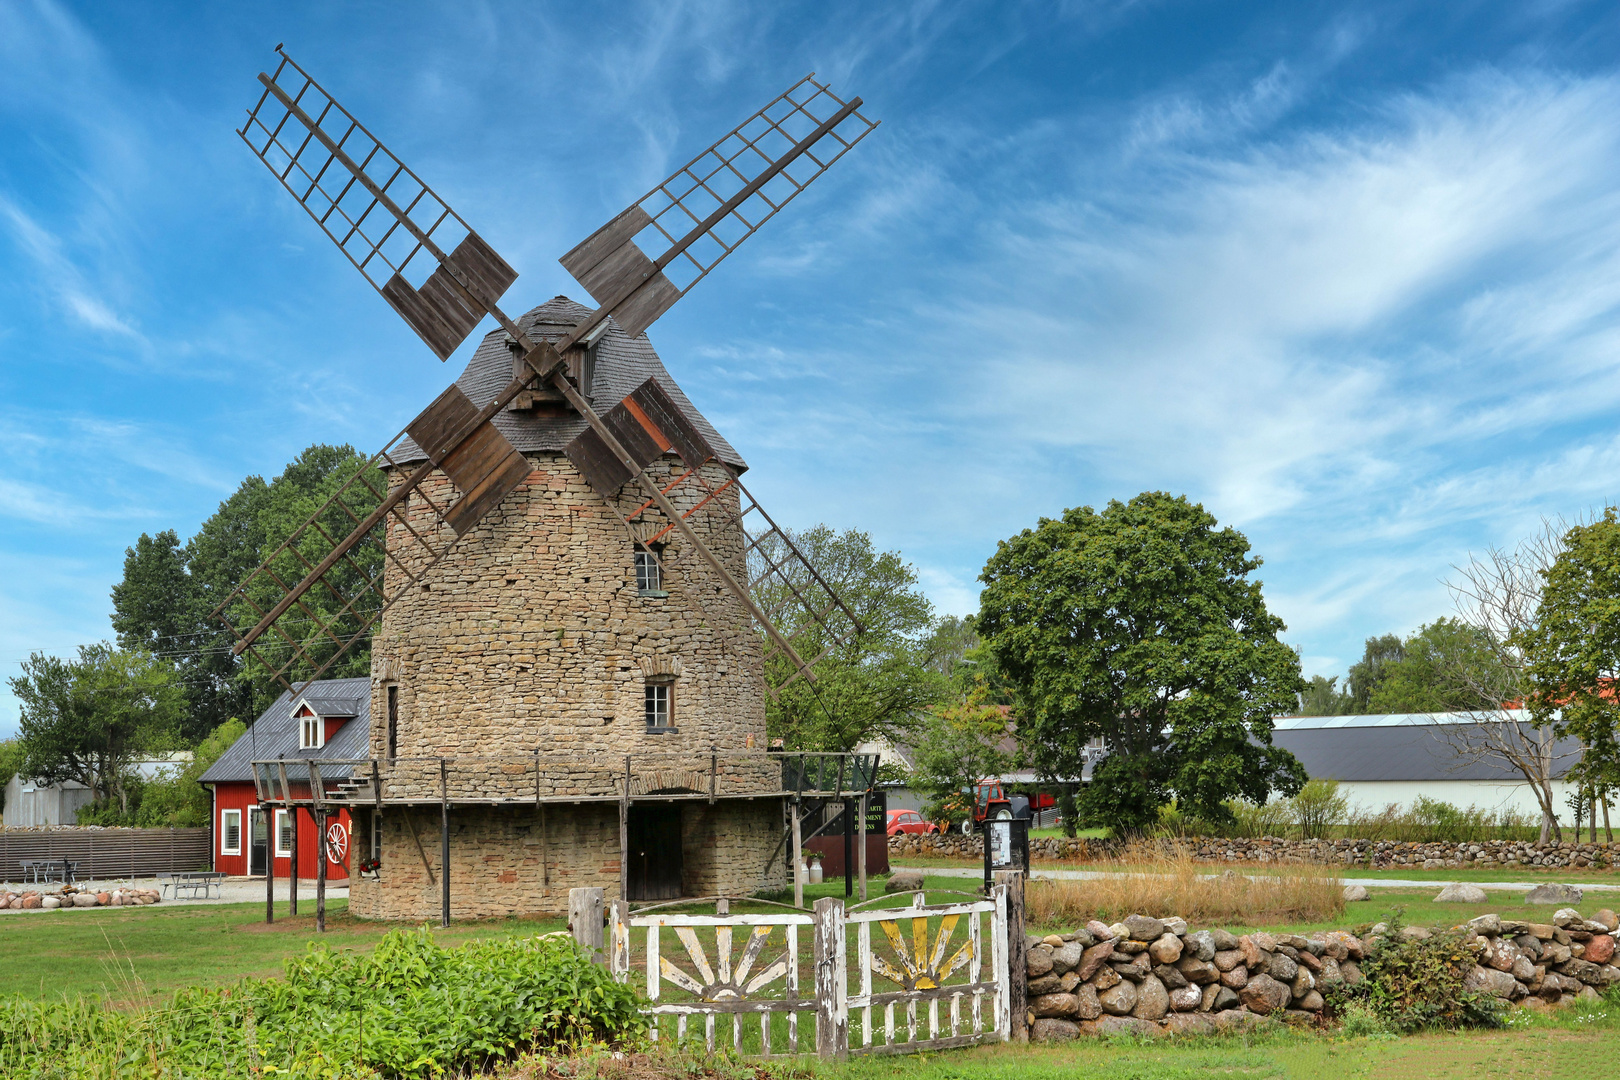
194, 884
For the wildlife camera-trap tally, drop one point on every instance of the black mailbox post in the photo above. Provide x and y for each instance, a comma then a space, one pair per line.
1006, 846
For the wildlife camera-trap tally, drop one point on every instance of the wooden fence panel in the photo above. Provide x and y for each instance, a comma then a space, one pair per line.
107, 853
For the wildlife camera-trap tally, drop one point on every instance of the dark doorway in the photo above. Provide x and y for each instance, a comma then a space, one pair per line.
654, 871
258, 840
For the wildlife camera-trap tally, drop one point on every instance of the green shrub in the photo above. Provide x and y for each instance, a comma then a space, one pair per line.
409, 1008
1317, 806
1414, 983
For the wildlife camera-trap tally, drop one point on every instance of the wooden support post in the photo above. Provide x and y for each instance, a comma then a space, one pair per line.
292, 864
585, 921
444, 843
849, 849
861, 855
320, 871
269, 861
618, 945
624, 834
798, 860
832, 990
1017, 954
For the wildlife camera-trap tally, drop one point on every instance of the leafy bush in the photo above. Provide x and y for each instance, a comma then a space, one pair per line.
410, 1008
1317, 806
1414, 983
1263, 819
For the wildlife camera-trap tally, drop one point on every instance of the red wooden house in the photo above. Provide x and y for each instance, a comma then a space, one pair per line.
329, 720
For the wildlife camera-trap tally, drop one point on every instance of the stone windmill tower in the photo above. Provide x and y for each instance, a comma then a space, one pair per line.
551, 562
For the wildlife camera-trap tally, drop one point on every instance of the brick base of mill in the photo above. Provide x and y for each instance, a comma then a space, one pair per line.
523, 859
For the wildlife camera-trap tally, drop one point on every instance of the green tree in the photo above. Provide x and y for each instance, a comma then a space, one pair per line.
958, 746
177, 799
1141, 625
11, 763
1574, 653
1441, 669
871, 682
1378, 655
1322, 697
90, 718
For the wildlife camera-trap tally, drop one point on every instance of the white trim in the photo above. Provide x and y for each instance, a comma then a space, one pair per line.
224, 832
313, 723
276, 829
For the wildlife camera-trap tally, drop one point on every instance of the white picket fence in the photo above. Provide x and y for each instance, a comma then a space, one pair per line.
935, 987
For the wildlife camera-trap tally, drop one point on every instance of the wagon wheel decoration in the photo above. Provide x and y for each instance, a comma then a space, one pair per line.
337, 841
922, 965
721, 982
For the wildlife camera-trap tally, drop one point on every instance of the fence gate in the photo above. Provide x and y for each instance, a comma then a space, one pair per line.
941, 971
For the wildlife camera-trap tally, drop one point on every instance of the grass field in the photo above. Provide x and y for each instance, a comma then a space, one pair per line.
127, 954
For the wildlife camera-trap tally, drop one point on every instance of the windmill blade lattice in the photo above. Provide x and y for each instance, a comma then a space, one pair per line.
714, 202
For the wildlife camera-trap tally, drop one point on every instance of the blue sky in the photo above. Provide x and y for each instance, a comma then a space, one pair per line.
1346, 273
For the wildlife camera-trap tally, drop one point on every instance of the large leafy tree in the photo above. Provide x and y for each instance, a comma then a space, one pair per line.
1142, 626
1441, 669
872, 682
88, 719
1574, 653
169, 592
959, 745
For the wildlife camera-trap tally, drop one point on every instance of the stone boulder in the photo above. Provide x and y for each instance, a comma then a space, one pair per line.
1143, 928
1236, 979
1600, 949
1186, 999
1460, 892
83, 900
1059, 1006
1282, 968
1087, 1006
1127, 1025
1265, 995
1189, 1023
1118, 1000
50, 903
1068, 957
1165, 949
1484, 980
904, 881
1566, 917
1228, 959
1201, 945
32, 900
1093, 958
1051, 1030
1311, 1002
1354, 893
1038, 961
1098, 930
1199, 972
1045, 984
1224, 939
1553, 894
1152, 999
1610, 921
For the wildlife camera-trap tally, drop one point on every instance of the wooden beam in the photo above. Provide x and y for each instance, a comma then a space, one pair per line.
444, 843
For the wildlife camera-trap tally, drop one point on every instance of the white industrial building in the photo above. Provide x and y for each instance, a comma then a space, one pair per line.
1397, 757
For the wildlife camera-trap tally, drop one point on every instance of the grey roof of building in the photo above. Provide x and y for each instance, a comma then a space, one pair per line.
622, 364
274, 735
1409, 750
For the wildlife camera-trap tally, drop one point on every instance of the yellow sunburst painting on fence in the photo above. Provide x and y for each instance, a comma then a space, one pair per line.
922, 963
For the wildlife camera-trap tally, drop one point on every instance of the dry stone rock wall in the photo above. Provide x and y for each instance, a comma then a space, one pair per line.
1379, 853
1155, 976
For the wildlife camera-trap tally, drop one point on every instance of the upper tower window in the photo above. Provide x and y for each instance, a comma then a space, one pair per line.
649, 574
311, 729
660, 697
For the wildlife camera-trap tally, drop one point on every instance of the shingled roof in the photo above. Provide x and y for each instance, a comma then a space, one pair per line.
274, 735
1400, 746
622, 364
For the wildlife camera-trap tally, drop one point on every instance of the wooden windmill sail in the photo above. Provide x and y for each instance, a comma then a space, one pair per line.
320, 592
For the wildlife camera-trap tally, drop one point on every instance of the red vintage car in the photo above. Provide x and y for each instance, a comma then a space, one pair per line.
909, 821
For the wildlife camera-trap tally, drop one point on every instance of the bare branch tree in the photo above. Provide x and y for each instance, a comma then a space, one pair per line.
1498, 594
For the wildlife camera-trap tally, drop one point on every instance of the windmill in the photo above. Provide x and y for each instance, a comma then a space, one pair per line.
318, 595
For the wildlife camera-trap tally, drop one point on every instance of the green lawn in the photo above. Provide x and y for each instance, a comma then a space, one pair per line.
1555, 1049
126, 954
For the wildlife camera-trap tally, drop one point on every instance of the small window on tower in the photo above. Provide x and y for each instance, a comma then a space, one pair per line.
649, 574
660, 698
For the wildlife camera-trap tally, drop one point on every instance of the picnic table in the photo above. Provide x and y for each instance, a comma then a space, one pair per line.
192, 883
40, 871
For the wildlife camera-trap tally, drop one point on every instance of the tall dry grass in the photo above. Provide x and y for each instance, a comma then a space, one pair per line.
1199, 892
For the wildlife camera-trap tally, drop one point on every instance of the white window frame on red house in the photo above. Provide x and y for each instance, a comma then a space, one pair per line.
311, 728
278, 823
225, 846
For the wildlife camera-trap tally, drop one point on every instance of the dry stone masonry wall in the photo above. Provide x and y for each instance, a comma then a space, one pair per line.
1376, 853
1154, 976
